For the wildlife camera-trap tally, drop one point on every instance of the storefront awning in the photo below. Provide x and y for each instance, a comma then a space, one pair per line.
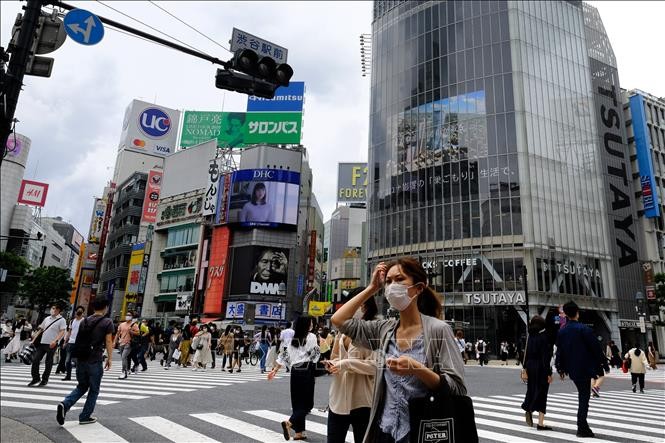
165, 298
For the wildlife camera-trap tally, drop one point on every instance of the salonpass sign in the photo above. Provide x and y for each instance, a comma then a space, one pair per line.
240, 129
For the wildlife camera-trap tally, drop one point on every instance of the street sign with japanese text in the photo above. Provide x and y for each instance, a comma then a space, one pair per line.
245, 40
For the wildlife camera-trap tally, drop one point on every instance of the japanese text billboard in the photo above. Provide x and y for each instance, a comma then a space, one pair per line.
151, 200
262, 311
352, 182
264, 198
260, 270
210, 198
240, 129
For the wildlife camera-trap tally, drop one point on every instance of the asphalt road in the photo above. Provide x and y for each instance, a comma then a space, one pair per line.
245, 407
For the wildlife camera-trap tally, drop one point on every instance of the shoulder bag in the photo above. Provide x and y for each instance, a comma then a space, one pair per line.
442, 417
28, 352
524, 375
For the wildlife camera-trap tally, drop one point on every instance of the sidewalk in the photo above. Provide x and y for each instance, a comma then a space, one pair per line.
13, 431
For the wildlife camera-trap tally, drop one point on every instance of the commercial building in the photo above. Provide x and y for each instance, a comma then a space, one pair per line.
344, 264
11, 176
645, 128
491, 160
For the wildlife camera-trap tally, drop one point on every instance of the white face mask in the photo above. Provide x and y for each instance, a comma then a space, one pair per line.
397, 295
128, 318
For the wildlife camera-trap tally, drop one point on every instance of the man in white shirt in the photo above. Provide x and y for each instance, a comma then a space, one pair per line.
49, 334
70, 338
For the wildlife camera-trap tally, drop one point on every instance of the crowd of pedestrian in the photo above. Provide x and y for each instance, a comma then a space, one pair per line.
378, 366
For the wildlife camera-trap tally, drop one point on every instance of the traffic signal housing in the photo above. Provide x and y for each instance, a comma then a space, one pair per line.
250, 74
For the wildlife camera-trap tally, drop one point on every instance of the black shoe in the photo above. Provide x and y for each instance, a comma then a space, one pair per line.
43, 383
34, 382
634, 388
584, 434
161, 363
88, 421
544, 428
66, 379
7, 360
641, 391
60, 414
144, 369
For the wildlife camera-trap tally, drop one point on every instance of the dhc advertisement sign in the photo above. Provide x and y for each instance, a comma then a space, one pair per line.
642, 143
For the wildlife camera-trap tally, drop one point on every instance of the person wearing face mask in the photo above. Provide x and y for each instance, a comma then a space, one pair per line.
48, 335
123, 339
420, 348
70, 340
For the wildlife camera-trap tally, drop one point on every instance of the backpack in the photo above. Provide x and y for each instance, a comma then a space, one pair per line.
480, 347
84, 347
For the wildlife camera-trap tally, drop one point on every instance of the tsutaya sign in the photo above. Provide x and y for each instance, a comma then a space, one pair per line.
572, 269
495, 298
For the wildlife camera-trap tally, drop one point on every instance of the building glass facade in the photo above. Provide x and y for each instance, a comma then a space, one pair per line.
484, 158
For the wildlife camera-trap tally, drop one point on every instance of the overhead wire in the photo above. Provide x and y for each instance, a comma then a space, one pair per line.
153, 28
189, 26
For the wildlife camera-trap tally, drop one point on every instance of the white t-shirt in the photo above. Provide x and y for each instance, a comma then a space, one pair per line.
49, 335
309, 351
75, 329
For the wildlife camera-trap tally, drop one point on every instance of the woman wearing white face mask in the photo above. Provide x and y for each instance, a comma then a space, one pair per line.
421, 352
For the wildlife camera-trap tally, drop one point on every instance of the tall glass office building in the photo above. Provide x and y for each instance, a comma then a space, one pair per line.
488, 162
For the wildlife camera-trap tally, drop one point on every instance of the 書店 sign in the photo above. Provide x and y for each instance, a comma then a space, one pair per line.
495, 298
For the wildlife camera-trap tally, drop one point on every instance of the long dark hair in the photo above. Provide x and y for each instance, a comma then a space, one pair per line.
429, 302
536, 324
257, 187
300, 330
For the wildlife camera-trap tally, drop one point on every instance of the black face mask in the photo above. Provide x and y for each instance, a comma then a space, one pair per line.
79, 312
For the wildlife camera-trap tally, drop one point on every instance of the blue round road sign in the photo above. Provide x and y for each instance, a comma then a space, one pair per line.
83, 27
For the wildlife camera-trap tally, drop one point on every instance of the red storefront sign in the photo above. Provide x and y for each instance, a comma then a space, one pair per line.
311, 271
151, 199
217, 270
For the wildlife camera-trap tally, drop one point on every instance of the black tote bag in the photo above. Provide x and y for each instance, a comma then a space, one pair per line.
442, 418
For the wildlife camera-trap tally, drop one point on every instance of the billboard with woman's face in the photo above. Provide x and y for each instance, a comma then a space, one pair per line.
264, 198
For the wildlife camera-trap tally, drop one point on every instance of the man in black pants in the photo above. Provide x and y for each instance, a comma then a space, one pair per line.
48, 336
580, 356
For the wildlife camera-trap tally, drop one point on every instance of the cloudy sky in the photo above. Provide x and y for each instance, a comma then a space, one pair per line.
74, 117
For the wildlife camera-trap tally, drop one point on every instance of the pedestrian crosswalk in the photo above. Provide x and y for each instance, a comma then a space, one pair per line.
656, 376
151, 383
617, 416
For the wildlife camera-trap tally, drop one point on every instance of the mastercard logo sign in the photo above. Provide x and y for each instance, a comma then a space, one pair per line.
139, 143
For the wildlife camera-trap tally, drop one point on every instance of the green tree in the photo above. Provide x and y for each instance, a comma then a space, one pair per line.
16, 267
46, 285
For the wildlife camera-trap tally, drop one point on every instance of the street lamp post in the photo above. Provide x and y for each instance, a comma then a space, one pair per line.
641, 314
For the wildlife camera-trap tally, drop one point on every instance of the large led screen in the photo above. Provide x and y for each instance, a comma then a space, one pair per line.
264, 198
260, 270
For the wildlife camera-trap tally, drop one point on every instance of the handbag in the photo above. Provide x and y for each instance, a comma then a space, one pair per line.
176, 354
524, 375
442, 418
27, 354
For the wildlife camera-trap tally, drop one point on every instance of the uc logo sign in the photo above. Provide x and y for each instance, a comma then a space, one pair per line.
154, 123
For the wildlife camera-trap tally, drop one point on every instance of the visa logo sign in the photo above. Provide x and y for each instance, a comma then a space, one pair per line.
162, 150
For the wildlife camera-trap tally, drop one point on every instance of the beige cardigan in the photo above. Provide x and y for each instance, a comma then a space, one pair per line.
638, 364
353, 386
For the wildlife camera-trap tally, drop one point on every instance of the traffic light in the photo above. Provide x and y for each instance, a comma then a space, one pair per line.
250, 74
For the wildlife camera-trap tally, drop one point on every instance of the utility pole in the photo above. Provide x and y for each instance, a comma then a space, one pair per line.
13, 80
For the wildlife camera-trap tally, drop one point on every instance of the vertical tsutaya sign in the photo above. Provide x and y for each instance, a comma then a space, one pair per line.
210, 197
151, 200
97, 222
615, 157
642, 146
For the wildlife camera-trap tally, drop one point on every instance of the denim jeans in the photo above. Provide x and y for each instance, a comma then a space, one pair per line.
68, 361
89, 377
263, 348
583, 394
125, 350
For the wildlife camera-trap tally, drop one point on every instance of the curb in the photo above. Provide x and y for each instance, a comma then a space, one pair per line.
13, 431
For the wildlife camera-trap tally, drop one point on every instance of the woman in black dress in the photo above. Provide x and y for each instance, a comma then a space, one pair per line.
539, 371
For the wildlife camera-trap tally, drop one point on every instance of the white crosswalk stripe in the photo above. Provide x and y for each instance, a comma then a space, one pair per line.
154, 382
498, 418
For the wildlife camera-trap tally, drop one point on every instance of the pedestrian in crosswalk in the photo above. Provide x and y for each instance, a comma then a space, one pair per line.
638, 366
652, 355
421, 348
174, 344
300, 355
537, 361
70, 339
201, 344
95, 334
579, 355
226, 344
351, 389
48, 335
123, 340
